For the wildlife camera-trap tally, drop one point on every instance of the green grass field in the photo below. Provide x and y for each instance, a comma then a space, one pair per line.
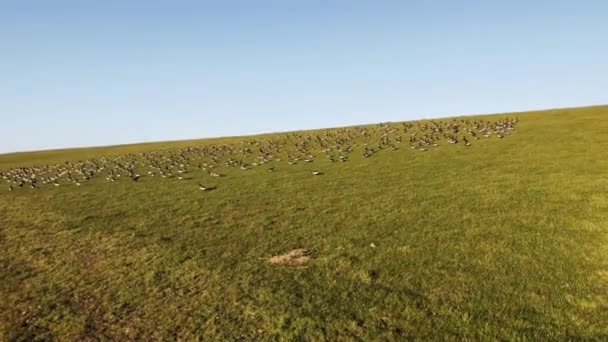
504, 240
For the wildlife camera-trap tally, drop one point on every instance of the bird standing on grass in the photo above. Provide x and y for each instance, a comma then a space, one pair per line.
206, 188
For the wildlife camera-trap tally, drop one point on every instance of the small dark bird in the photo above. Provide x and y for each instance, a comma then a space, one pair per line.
317, 173
205, 188
136, 178
10, 188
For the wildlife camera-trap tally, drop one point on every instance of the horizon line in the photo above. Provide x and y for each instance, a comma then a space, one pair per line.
252, 134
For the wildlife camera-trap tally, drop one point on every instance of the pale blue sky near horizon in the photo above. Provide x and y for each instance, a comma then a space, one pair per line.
84, 73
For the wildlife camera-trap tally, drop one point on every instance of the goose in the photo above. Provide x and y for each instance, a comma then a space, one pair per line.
205, 188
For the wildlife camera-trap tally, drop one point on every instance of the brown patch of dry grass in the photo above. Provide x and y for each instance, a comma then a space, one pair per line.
298, 256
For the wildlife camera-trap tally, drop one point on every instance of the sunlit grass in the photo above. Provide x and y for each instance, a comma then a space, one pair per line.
503, 240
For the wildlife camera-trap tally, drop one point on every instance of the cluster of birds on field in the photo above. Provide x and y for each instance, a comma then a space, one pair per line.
337, 145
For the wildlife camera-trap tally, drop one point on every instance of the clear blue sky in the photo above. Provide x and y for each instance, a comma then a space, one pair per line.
81, 73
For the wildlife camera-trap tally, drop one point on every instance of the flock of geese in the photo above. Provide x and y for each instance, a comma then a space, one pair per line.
337, 145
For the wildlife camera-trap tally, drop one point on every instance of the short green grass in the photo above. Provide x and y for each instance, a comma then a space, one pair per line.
505, 240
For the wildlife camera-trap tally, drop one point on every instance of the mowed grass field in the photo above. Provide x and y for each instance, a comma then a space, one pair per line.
504, 240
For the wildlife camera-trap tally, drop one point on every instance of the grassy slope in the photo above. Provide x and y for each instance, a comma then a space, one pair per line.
507, 239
